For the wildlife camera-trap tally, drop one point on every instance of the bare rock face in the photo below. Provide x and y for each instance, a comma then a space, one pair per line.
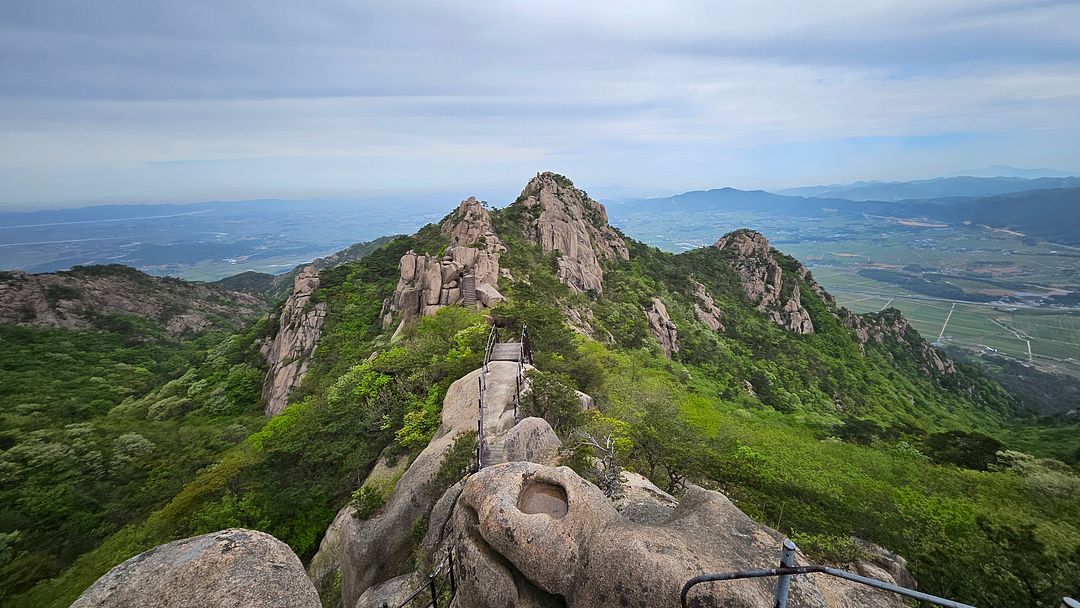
527, 534
79, 298
705, 309
576, 226
470, 226
466, 273
289, 353
890, 325
662, 328
762, 280
532, 440
640, 501
232, 568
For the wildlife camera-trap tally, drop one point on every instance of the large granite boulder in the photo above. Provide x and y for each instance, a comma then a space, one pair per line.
532, 440
228, 569
526, 534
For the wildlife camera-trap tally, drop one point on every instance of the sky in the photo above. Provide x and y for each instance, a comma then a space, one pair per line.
136, 101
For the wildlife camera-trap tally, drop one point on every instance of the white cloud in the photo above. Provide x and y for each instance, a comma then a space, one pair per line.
340, 95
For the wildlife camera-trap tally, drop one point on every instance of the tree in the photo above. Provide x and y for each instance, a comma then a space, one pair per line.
550, 398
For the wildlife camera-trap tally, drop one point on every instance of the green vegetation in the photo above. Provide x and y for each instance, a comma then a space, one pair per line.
806, 433
101, 428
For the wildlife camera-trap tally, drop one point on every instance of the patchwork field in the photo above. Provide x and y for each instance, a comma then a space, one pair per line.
982, 290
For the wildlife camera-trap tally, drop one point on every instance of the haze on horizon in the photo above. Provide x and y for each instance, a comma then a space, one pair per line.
126, 101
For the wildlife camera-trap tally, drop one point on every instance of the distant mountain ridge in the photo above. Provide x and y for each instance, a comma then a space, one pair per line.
939, 187
1052, 214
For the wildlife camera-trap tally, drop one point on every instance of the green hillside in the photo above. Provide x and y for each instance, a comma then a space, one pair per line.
817, 435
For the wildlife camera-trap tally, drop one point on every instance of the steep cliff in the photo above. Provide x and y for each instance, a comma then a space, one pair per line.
289, 353
762, 280
564, 219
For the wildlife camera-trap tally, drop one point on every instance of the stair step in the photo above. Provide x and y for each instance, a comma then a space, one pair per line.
496, 453
468, 290
506, 351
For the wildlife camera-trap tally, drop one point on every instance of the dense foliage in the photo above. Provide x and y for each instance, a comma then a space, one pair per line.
100, 428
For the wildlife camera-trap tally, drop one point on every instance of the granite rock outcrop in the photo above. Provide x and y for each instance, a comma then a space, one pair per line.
564, 219
466, 273
890, 325
232, 568
762, 280
289, 353
662, 328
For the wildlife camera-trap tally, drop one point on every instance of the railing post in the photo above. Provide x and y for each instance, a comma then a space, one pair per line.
450, 572
783, 583
434, 592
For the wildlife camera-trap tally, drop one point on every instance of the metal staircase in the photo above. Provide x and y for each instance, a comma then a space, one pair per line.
468, 290
506, 351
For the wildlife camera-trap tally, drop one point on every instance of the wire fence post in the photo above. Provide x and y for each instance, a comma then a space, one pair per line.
783, 583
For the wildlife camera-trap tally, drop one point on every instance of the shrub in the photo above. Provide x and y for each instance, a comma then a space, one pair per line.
830, 547
370, 498
550, 398
460, 461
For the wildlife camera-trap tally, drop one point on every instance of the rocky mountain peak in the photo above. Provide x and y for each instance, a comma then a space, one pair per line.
470, 225
762, 280
564, 219
744, 244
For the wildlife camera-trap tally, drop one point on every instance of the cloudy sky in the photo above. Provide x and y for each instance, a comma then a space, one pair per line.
130, 100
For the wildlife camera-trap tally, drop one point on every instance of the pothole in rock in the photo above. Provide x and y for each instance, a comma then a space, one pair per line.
543, 497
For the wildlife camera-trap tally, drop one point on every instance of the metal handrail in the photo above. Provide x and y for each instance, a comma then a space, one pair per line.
432, 586
786, 571
493, 337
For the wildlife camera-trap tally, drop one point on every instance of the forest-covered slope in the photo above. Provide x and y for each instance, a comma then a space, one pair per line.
726, 366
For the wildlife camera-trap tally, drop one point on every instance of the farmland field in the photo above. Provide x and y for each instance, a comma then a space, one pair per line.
985, 291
